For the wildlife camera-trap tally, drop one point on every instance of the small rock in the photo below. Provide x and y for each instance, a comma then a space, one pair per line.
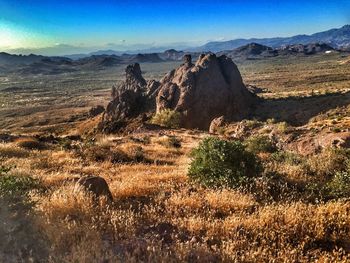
95, 185
216, 124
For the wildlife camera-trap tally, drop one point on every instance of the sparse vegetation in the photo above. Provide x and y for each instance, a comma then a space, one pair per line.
171, 142
218, 162
167, 118
260, 143
99, 153
12, 185
295, 210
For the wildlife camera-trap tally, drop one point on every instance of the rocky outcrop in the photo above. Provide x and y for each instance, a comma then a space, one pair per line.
200, 92
133, 97
312, 144
211, 88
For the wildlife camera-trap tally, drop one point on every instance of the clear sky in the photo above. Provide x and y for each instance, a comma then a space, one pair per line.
110, 23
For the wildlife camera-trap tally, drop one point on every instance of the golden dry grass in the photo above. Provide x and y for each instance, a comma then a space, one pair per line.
158, 215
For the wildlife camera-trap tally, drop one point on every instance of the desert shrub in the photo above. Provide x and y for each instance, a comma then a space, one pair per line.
167, 118
4, 170
65, 144
171, 142
287, 157
282, 127
98, 153
339, 185
271, 121
30, 144
329, 162
146, 140
251, 124
260, 143
218, 162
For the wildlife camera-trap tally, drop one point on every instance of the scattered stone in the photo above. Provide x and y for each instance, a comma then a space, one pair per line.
216, 124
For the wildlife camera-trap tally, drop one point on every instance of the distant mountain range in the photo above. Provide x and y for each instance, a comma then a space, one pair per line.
336, 38
37, 64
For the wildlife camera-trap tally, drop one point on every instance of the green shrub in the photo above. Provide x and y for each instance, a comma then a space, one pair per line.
339, 185
12, 185
287, 157
218, 162
167, 118
260, 143
251, 124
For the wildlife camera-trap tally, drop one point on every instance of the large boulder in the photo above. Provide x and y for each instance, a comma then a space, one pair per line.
211, 88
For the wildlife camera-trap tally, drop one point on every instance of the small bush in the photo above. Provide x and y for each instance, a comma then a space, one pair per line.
251, 124
339, 185
329, 162
287, 157
218, 162
167, 118
282, 127
105, 154
171, 142
260, 143
30, 144
11, 185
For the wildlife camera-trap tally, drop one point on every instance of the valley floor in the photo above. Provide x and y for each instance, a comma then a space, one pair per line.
298, 210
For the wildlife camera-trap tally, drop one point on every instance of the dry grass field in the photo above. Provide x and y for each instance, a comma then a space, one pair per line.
296, 210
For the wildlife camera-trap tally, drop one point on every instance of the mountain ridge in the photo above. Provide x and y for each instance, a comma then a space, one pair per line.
336, 37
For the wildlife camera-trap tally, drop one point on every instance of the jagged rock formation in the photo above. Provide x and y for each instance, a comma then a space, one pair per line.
133, 97
211, 88
201, 92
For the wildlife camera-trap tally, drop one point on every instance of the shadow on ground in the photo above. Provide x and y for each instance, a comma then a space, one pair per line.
298, 111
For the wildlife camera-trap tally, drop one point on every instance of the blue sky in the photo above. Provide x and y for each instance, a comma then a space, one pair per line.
128, 23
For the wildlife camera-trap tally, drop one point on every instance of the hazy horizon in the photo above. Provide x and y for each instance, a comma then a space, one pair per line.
63, 27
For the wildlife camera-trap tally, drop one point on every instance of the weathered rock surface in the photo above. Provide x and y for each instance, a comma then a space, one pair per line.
95, 185
211, 88
201, 92
309, 145
216, 124
133, 98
